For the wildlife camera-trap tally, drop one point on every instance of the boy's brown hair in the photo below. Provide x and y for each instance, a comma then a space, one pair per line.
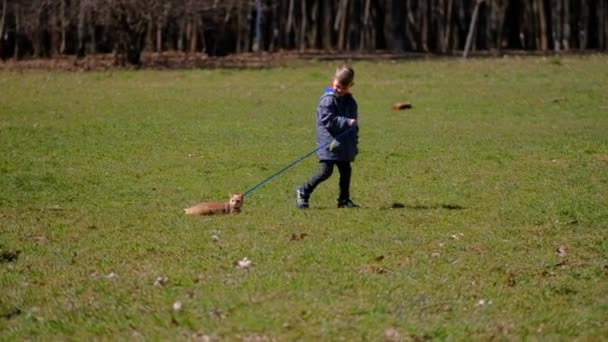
345, 75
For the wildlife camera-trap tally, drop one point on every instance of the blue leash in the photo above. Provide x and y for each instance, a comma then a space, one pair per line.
295, 162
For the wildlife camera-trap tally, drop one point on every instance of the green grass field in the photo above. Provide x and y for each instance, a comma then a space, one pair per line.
485, 207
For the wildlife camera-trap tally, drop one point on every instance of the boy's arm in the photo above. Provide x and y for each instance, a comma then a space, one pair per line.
328, 115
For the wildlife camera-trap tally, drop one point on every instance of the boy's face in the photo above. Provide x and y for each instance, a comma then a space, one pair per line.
341, 89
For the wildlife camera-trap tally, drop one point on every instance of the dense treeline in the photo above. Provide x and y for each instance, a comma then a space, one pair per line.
44, 28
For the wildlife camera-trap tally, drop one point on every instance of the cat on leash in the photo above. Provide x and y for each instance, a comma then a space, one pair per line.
233, 206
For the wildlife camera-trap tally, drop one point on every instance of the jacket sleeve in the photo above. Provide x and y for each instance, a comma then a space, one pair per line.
328, 115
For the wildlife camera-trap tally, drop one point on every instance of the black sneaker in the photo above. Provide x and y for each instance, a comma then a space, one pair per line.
301, 199
347, 204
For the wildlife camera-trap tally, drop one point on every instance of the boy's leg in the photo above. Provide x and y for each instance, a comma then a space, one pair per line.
303, 193
345, 173
325, 171
344, 197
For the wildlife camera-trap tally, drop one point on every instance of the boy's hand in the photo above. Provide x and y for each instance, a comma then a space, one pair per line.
334, 144
351, 122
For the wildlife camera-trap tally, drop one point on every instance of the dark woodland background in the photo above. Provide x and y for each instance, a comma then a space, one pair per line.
127, 28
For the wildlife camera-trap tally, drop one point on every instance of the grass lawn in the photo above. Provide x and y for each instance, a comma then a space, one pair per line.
485, 207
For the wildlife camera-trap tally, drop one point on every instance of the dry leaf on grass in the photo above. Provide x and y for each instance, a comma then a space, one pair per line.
457, 236
483, 302
111, 275
243, 263
392, 335
297, 237
373, 268
177, 305
511, 280
161, 281
9, 256
202, 337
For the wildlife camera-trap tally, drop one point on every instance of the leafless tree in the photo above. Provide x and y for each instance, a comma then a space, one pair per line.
218, 27
2, 21
128, 20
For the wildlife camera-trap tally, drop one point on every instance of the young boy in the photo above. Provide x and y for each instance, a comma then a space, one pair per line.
336, 125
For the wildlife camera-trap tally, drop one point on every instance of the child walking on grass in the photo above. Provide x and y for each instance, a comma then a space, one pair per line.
336, 126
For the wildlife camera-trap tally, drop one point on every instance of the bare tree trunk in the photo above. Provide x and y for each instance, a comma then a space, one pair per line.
2, 20
544, 45
566, 26
290, 20
17, 31
601, 25
82, 11
181, 30
491, 24
303, 19
257, 44
160, 24
501, 23
583, 25
525, 24
327, 18
437, 18
354, 25
424, 19
605, 20
275, 28
239, 27
63, 26
364, 38
536, 24
411, 26
193, 32
556, 23
340, 23
55, 31
315, 24
188, 33
201, 33
448, 25
471, 28
150, 42
494, 28
248, 21
91, 27
456, 35
159, 35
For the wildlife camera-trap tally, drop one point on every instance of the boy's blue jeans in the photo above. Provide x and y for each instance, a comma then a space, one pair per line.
325, 171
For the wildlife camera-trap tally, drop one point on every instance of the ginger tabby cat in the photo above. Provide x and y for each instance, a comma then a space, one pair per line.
233, 206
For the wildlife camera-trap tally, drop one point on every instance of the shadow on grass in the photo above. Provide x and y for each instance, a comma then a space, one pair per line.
398, 205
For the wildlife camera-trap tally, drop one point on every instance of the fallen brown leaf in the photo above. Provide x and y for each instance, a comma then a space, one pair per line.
392, 335
297, 237
511, 279
9, 256
373, 268
561, 251
161, 281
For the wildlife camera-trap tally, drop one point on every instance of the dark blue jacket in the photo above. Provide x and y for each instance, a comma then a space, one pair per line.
332, 115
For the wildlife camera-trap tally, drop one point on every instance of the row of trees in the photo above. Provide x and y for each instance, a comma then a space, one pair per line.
44, 28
